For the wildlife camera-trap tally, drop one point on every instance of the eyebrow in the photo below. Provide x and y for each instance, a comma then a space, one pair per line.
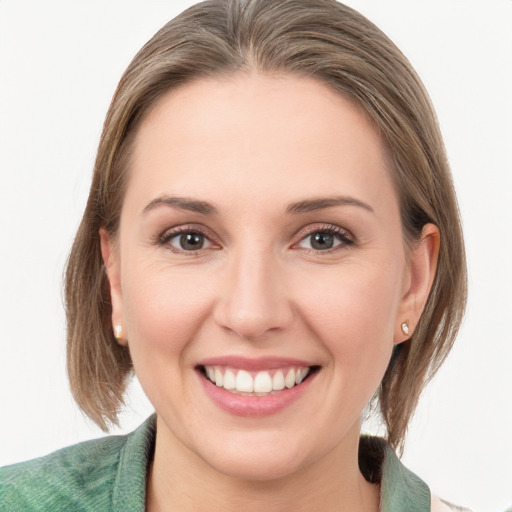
321, 203
305, 206
182, 203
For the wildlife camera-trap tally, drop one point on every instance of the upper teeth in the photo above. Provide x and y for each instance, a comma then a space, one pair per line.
255, 382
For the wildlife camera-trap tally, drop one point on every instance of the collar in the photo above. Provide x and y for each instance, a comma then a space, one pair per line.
400, 489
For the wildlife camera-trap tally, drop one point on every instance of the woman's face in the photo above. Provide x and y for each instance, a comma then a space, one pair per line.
260, 244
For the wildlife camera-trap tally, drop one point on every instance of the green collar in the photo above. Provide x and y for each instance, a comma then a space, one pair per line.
400, 489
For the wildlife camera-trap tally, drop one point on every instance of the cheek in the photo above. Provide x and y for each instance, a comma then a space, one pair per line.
163, 307
353, 315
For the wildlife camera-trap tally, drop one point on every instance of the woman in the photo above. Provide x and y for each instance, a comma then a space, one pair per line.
271, 240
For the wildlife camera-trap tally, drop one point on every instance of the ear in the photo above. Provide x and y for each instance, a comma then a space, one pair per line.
422, 267
110, 255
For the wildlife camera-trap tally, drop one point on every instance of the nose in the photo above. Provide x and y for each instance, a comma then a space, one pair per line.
253, 297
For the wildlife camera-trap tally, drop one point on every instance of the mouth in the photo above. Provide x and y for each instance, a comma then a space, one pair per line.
258, 387
254, 383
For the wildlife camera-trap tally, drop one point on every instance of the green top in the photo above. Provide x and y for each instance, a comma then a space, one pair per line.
109, 474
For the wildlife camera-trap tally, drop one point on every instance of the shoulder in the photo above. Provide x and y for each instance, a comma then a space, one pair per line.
66, 478
79, 477
401, 489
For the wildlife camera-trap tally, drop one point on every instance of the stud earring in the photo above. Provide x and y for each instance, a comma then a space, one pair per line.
405, 328
118, 331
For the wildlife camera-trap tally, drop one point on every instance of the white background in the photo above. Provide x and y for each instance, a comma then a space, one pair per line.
60, 61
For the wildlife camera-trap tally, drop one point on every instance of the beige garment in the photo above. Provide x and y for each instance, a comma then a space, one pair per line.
439, 505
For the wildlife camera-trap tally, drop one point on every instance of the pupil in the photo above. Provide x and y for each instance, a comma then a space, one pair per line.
191, 241
322, 241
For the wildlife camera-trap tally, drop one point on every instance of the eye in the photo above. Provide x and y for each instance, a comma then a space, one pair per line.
189, 241
186, 240
325, 239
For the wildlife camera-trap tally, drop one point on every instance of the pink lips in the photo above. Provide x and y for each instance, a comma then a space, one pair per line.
254, 406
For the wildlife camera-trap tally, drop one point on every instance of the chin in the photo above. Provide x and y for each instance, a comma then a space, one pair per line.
258, 460
256, 470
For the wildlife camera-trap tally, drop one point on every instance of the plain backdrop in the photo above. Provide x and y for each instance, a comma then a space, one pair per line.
60, 61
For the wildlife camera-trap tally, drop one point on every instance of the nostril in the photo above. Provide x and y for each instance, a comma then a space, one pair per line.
253, 325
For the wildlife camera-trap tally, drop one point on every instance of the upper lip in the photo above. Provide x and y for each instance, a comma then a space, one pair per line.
254, 364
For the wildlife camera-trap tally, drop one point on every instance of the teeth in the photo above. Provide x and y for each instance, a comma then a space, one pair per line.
218, 377
301, 375
229, 380
289, 380
278, 381
244, 382
262, 382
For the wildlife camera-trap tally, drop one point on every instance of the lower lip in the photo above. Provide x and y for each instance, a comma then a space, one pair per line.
254, 406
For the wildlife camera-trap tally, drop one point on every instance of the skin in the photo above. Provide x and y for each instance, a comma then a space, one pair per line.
250, 146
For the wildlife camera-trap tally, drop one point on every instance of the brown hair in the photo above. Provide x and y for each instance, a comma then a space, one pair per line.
322, 39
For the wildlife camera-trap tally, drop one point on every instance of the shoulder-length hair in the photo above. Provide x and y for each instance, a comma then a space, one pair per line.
320, 39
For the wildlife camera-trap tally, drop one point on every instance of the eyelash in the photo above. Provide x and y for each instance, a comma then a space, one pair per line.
340, 234
165, 238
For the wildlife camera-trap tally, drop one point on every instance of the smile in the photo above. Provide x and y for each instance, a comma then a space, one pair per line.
259, 383
255, 387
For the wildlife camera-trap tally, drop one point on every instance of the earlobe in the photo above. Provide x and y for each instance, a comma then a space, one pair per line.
110, 256
422, 270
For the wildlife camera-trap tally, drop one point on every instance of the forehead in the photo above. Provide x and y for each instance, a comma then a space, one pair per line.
254, 134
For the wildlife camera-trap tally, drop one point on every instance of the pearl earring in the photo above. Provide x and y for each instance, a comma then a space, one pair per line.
405, 328
118, 331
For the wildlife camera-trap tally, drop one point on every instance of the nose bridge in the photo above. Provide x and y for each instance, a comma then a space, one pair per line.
253, 300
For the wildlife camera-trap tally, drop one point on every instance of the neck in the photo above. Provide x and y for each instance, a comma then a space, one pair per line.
179, 480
